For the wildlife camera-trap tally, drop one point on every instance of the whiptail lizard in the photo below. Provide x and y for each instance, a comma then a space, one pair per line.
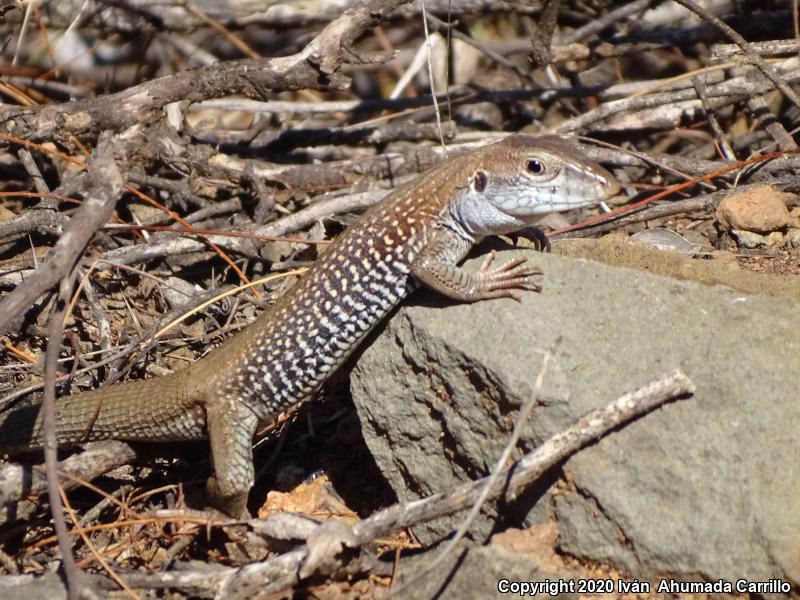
417, 235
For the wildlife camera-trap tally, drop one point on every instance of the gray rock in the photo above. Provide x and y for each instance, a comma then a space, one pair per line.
32, 587
481, 115
793, 238
705, 487
748, 239
751, 241
178, 292
477, 572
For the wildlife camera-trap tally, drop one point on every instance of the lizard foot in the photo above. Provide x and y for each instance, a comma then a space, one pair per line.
233, 505
508, 279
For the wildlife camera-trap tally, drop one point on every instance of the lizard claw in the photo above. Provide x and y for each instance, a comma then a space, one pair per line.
506, 280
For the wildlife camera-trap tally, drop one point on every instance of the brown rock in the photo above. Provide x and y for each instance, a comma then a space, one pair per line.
795, 215
761, 209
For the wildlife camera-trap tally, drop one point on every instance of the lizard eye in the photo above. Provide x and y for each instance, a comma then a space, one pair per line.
480, 181
535, 166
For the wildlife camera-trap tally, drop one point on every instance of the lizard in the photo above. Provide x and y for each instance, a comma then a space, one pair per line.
414, 237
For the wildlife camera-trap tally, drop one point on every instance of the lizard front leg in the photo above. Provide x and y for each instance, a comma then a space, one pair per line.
436, 267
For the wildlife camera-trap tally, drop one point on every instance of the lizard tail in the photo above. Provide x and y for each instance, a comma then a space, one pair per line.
134, 411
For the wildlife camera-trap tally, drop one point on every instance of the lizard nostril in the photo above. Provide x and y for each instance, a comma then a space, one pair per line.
480, 181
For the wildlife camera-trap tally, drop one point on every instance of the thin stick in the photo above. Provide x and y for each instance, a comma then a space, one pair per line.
436, 110
225, 294
55, 334
722, 144
103, 562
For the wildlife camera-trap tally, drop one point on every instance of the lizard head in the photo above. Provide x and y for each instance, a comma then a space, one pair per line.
514, 181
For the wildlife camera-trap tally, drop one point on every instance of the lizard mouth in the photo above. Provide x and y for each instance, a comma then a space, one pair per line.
606, 180
612, 187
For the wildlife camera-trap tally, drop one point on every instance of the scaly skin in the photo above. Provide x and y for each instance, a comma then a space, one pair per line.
417, 235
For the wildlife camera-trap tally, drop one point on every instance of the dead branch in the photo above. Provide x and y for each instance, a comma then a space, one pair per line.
17, 482
315, 67
278, 574
105, 179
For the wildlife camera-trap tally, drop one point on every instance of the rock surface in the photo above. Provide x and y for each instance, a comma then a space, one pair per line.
706, 487
474, 572
619, 250
33, 587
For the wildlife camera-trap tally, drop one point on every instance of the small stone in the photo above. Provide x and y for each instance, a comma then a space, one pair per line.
793, 238
178, 292
748, 239
776, 239
665, 239
760, 209
276, 251
481, 115
144, 213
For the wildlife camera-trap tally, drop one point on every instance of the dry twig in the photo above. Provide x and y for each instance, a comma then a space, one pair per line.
283, 572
